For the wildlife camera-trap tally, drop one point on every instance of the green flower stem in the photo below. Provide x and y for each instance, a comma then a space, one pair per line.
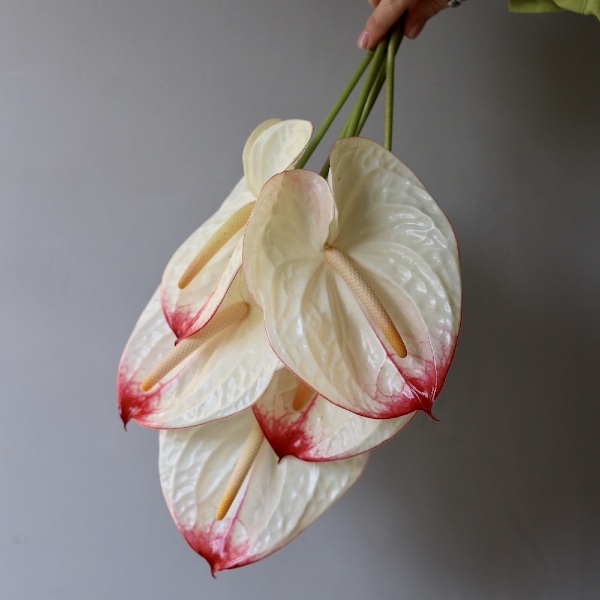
368, 95
392, 49
334, 111
376, 64
373, 95
382, 69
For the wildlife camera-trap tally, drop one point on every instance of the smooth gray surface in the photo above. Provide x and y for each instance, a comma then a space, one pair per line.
121, 129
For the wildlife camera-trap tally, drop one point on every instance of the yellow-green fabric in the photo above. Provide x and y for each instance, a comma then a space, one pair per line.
585, 7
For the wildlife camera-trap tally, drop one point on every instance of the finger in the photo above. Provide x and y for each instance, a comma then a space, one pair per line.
420, 13
386, 13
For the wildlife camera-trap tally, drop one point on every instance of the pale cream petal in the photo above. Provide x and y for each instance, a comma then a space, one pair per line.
273, 147
225, 375
404, 246
277, 501
314, 323
187, 310
320, 430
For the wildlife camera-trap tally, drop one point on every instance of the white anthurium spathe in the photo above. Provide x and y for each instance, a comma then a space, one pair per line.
298, 422
202, 269
359, 282
276, 501
163, 382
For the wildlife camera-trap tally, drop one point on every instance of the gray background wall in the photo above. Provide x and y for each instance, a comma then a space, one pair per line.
121, 128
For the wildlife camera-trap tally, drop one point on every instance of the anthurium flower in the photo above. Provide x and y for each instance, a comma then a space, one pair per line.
219, 371
359, 282
201, 270
299, 422
275, 502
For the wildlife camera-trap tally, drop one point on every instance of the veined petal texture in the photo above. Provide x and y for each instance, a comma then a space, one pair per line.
225, 375
276, 502
403, 244
320, 430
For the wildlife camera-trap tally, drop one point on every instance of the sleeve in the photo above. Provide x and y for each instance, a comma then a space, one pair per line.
585, 7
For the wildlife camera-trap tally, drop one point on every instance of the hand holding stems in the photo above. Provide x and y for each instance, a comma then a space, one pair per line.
387, 12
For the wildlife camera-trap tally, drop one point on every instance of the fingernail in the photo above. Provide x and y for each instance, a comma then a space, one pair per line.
363, 40
416, 29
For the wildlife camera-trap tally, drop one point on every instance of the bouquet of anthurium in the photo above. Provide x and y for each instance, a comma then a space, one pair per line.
305, 323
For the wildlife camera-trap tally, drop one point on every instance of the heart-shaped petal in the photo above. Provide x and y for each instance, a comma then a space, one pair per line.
315, 324
319, 430
395, 237
276, 502
226, 374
